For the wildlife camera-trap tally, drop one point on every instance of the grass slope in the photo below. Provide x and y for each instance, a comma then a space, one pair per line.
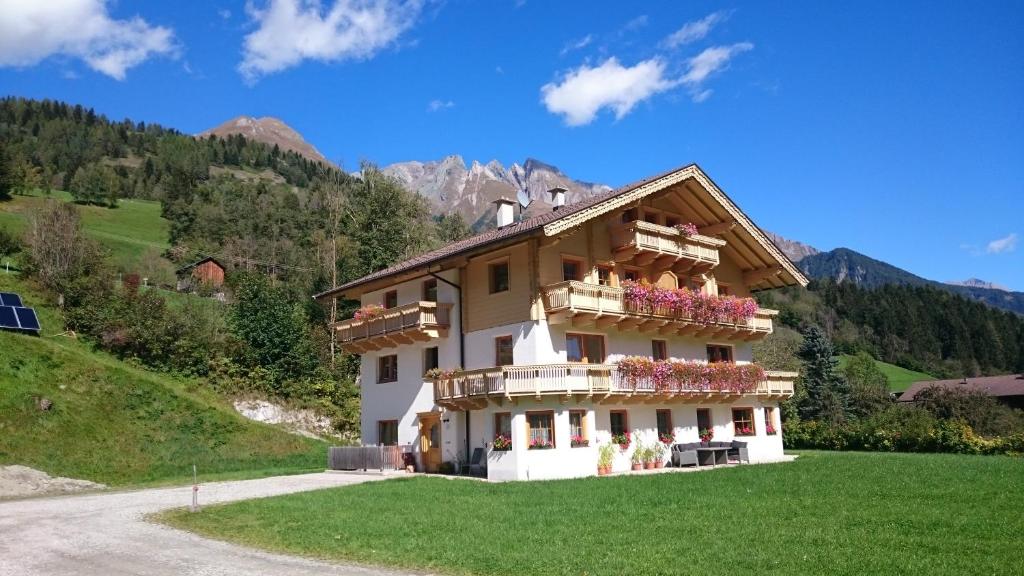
826, 513
115, 423
899, 378
128, 231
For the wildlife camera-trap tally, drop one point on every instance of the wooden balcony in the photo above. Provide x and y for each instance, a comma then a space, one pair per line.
602, 307
599, 383
662, 248
416, 322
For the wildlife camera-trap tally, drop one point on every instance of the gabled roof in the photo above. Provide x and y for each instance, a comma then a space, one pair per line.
717, 207
188, 267
1007, 385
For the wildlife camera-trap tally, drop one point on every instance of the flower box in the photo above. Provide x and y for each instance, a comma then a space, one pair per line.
579, 442
539, 444
502, 443
368, 312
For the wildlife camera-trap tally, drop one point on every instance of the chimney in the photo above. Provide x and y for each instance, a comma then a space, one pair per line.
504, 211
557, 197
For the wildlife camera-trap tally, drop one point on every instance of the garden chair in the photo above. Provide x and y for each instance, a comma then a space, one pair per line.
475, 466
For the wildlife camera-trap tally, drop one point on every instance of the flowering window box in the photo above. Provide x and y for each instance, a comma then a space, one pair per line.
579, 442
541, 444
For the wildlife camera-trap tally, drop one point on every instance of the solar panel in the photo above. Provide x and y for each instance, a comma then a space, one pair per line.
8, 319
10, 299
27, 318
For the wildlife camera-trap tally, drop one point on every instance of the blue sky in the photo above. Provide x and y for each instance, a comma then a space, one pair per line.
894, 130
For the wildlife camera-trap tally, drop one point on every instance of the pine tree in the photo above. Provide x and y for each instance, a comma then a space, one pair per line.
827, 394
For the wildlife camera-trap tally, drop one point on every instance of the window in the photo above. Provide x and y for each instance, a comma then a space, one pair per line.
723, 290
578, 428
585, 348
498, 273
503, 351
651, 217
503, 424
743, 421
665, 424
703, 419
540, 429
604, 275
391, 298
430, 290
659, 350
430, 359
387, 368
718, 353
671, 221
387, 432
619, 423
572, 270
629, 215
769, 421
631, 275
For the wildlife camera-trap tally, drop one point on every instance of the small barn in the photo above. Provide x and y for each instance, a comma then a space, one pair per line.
207, 273
1007, 389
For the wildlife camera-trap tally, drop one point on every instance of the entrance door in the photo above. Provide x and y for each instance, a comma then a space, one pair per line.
430, 442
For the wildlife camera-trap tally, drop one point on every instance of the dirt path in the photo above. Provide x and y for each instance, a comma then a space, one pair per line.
105, 534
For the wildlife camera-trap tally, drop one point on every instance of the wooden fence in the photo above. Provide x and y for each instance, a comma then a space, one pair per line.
367, 457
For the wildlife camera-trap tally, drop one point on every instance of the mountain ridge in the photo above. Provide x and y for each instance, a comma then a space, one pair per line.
269, 130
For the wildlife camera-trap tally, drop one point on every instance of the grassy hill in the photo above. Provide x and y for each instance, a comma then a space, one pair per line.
132, 232
899, 378
115, 423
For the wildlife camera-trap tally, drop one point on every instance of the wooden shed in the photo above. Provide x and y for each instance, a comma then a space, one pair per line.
206, 272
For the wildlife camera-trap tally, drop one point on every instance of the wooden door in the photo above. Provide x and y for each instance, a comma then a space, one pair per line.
430, 442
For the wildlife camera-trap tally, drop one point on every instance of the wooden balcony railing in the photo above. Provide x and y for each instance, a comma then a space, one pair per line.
606, 306
472, 389
664, 248
416, 322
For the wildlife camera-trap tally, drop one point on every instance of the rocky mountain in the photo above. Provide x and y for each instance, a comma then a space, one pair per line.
452, 186
976, 283
845, 265
269, 131
795, 251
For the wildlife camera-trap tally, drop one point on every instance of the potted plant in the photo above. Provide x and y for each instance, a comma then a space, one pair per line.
770, 430
686, 230
648, 458
706, 435
659, 455
541, 444
577, 441
368, 312
637, 458
623, 440
667, 438
605, 457
502, 443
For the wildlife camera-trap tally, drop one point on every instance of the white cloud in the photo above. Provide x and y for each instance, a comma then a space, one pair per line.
1000, 245
703, 65
583, 92
290, 31
436, 105
577, 44
33, 30
696, 30
636, 23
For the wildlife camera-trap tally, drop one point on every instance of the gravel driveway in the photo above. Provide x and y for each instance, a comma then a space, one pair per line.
105, 534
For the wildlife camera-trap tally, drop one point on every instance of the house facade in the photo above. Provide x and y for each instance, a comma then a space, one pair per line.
624, 318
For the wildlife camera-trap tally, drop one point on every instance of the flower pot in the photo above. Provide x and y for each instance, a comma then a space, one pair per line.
659, 464
638, 466
603, 470
648, 465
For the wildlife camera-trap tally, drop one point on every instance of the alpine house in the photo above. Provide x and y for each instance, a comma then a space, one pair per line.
624, 319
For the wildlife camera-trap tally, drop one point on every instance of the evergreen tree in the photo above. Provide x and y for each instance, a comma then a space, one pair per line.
6, 175
869, 387
827, 395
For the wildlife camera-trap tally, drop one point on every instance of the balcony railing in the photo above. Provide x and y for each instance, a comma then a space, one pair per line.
606, 306
646, 244
416, 322
602, 382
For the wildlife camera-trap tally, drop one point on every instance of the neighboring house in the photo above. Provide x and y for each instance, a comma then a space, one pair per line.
1007, 389
534, 317
208, 273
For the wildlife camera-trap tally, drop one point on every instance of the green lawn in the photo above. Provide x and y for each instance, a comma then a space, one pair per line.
826, 513
119, 424
899, 378
130, 232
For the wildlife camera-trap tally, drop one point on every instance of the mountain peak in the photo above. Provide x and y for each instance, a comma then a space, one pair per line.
268, 130
795, 251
